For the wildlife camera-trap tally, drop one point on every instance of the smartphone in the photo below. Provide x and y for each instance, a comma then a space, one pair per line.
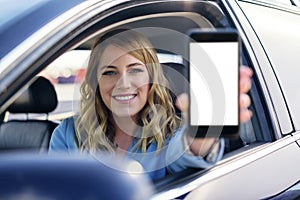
213, 75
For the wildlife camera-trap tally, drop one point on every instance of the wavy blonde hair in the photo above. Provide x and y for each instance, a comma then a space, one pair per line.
94, 126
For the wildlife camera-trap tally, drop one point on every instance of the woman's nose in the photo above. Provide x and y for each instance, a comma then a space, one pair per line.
124, 82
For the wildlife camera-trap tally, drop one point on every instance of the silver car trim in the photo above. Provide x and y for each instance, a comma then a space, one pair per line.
226, 166
296, 135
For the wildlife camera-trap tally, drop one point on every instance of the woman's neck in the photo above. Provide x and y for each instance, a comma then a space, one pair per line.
125, 125
126, 129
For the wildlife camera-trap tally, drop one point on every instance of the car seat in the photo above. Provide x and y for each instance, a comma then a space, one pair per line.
40, 97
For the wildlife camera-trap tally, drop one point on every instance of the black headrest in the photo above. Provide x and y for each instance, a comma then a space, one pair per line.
40, 97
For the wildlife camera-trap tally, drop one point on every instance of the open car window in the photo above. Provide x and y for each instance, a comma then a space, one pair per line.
67, 71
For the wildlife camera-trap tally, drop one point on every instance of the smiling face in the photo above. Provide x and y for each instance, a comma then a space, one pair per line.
123, 82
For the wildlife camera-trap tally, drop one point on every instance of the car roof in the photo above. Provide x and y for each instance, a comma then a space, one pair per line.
20, 19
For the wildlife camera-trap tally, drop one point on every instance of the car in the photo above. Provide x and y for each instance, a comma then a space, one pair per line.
263, 163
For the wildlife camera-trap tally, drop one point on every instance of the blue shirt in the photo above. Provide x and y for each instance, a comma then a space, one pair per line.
173, 157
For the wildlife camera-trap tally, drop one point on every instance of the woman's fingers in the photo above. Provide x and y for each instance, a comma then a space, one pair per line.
244, 103
245, 71
244, 99
245, 115
245, 79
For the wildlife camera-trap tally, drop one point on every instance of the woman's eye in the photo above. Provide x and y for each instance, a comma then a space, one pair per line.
136, 70
109, 73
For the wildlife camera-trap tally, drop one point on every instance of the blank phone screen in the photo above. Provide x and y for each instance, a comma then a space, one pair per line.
213, 77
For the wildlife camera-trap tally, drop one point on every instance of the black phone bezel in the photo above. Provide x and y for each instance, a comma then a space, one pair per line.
216, 35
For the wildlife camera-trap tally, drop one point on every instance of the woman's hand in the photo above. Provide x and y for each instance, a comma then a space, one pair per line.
244, 99
201, 146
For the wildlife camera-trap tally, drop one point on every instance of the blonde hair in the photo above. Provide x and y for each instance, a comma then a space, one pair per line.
94, 126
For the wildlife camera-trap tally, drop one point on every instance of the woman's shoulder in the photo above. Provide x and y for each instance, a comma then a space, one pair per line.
66, 128
63, 124
68, 121
63, 135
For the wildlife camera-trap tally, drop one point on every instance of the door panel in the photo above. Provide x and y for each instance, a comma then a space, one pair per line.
260, 178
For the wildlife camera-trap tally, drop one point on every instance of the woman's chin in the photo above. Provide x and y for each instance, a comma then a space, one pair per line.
124, 114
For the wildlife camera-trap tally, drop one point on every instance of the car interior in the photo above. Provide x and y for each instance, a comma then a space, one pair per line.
32, 134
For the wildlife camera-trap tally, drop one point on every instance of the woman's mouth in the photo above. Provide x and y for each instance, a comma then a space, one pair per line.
124, 98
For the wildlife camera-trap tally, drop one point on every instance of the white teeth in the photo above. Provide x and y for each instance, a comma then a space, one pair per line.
124, 98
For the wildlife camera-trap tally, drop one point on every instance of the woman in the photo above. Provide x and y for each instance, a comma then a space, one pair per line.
126, 108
